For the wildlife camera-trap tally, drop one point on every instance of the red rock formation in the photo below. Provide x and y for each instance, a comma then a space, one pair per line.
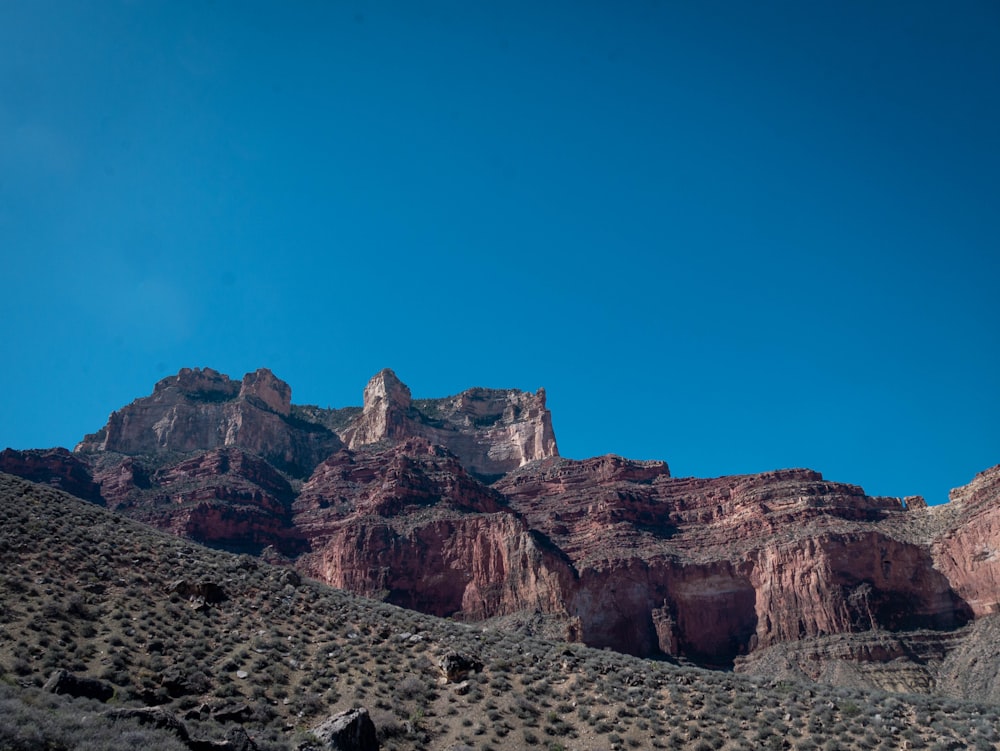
491, 431
56, 467
200, 410
225, 497
409, 524
626, 555
967, 551
714, 568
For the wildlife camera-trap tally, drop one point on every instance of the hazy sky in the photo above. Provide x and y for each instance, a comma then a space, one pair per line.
736, 236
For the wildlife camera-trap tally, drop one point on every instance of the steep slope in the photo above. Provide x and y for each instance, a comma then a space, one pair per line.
224, 643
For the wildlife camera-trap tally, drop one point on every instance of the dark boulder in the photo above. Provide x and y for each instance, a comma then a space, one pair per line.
64, 682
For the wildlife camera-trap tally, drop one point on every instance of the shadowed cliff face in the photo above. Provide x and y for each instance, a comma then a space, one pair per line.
968, 551
391, 501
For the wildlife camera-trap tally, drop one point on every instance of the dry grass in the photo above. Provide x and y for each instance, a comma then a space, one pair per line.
85, 589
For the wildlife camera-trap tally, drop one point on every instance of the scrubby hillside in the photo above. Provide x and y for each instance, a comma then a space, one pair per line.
221, 640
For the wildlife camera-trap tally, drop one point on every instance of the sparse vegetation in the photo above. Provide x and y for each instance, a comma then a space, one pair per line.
94, 593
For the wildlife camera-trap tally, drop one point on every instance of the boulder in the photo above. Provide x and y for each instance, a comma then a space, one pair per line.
456, 666
352, 730
63, 682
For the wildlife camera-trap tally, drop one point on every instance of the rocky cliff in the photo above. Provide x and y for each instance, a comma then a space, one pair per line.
462, 507
967, 550
491, 431
201, 409
715, 568
408, 524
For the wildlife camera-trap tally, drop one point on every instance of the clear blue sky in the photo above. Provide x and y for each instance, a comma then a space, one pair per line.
736, 236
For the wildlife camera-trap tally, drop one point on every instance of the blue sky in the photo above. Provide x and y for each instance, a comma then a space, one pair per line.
735, 236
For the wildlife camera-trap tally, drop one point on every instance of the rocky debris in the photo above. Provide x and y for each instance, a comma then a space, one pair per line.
62, 681
456, 666
179, 682
351, 730
56, 467
491, 431
200, 410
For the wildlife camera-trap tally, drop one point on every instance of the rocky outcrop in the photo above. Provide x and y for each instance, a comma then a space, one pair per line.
712, 569
967, 550
409, 525
61, 681
351, 730
200, 410
491, 431
56, 467
224, 497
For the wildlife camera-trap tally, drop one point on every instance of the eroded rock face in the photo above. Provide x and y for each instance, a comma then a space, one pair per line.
409, 525
617, 553
225, 497
56, 467
351, 730
712, 569
492, 431
202, 409
967, 551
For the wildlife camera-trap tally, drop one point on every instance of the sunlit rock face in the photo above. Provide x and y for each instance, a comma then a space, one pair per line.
408, 524
491, 431
202, 409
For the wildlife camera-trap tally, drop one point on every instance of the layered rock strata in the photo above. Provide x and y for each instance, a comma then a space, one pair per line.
491, 431
409, 525
391, 500
201, 410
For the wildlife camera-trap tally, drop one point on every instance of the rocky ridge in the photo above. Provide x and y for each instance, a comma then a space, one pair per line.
392, 501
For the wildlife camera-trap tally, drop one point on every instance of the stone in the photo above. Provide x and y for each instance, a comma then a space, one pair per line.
967, 550
351, 730
456, 666
62, 681
204, 590
462, 507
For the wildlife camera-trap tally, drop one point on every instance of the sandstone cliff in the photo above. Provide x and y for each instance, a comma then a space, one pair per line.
408, 524
56, 467
711, 569
200, 410
491, 431
967, 549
